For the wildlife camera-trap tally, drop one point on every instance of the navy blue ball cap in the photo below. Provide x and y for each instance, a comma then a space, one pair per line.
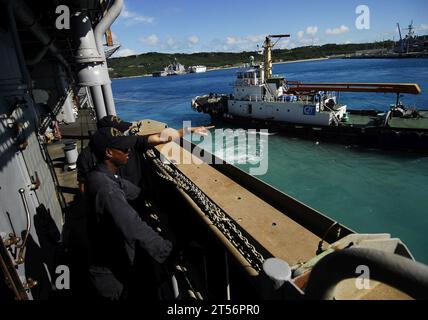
115, 122
112, 138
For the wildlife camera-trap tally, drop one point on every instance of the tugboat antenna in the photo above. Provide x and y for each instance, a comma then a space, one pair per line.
279, 36
268, 52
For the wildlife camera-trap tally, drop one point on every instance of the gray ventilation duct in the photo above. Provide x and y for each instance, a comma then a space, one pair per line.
89, 54
101, 28
90, 70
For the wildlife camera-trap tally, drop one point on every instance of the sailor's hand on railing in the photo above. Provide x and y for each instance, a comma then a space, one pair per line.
135, 128
170, 134
203, 131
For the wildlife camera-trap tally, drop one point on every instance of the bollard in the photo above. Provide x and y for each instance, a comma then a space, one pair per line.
278, 271
71, 155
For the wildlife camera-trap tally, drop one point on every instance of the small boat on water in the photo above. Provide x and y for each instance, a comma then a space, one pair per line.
197, 69
261, 100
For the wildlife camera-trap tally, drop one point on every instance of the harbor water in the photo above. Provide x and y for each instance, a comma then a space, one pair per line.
368, 190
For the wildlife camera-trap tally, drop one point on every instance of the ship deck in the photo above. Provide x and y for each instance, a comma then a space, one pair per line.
274, 230
278, 233
361, 120
357, 120
412, 123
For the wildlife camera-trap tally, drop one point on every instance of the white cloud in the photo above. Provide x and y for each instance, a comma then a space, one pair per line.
312, 30
308, 42
336, 31
255, 38
283, 44
151, 40
125, 52
192, 40
300, 34
423, 26
131, 18
144, 19
244, 43
171, 42
231, 40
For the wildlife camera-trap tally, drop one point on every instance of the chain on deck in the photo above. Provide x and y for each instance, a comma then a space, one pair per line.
215, 214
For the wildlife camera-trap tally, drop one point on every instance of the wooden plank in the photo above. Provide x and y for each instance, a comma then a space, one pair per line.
150, 127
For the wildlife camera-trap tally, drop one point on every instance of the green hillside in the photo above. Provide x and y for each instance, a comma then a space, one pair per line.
148, 63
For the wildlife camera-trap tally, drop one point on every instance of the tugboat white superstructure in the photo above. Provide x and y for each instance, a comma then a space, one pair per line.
259, 95
254, 96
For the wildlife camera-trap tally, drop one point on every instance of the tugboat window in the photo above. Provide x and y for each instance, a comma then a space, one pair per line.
250, 109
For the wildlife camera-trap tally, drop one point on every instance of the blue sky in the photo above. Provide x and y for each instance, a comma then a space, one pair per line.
238, 25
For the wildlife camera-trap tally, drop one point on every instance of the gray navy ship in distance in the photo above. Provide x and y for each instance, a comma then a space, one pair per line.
238, 237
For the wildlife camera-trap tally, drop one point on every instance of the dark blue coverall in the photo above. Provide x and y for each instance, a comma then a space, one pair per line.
115, 231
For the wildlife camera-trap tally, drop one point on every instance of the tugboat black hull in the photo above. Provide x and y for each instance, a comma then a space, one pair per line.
405, 139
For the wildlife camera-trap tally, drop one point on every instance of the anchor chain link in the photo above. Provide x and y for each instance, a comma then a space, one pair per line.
216, 215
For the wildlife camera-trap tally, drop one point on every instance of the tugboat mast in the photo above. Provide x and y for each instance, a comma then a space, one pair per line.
267, 53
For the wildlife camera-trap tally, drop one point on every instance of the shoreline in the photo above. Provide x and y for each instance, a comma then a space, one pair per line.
283, 62
302, 60
131, 77
227, 68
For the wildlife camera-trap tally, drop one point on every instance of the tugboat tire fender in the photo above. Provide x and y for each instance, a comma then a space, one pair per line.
404, 274
424, 140
391, 137
409, 138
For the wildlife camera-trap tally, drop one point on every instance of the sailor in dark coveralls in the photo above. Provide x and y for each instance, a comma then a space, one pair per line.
115, 229
133, 170
87, 159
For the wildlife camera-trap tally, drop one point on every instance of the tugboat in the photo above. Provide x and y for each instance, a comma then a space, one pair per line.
260, 99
